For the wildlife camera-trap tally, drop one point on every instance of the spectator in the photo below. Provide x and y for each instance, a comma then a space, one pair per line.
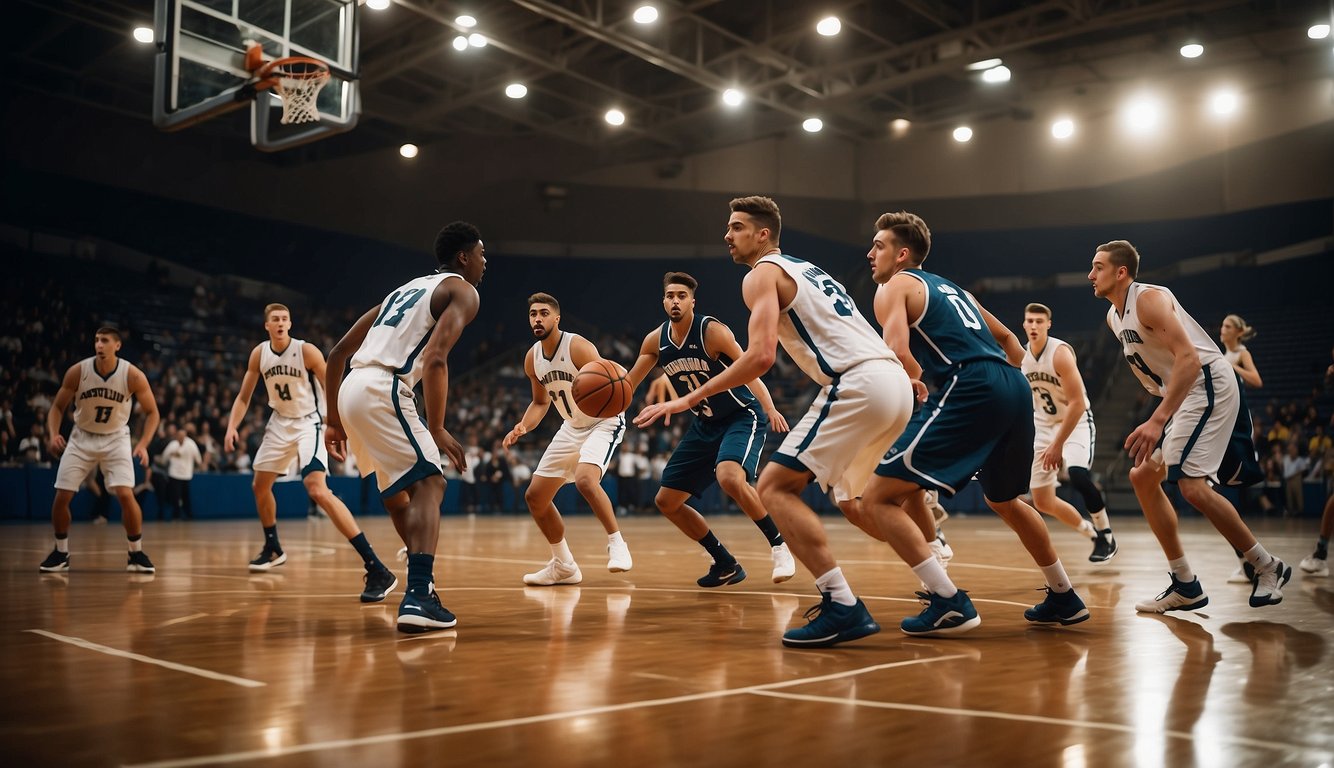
182, 455
1294, 467
31, 447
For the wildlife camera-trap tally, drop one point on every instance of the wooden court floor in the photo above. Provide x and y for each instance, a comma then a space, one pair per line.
205, 664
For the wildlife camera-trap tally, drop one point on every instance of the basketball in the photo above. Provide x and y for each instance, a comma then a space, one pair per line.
600, 389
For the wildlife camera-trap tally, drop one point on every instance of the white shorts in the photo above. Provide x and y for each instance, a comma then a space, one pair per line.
1198, 435
292, 443
379, 414
86, 451
1077, 451
572, 446
849, 427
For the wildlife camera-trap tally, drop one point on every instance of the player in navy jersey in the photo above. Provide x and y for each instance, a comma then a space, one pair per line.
978, 420
725, 439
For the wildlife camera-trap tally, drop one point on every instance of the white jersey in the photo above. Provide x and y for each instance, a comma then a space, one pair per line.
821, 329
556, 376
102, 404
1149, 358
290, 385
396, 338
1233, 356
1049, 401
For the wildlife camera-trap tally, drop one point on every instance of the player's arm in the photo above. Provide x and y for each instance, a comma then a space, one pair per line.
1245, 368
1014, 351
1072, 386
335, 439
452, 318
143, 394
1155, 313
583, 352
536, 410
720, 341
242, 402
646, 362
760, 292
891, 310
314, 360
69, 386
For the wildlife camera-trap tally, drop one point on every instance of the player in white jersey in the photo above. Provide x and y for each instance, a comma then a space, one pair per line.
1191, 438
1063, 434
293, 371
100, 388
406, 339
1231, 334
579, 452
864, 402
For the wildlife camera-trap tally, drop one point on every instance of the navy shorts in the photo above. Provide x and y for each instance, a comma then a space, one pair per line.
707, 444
980, 421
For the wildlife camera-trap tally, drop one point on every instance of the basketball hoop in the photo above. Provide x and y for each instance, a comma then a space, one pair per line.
297, 80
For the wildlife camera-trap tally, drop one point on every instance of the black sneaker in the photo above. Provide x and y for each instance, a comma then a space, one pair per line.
418, 614
1063, 608
139, 563
56, 562
268, 558
719, 575
1104, 547
379, 583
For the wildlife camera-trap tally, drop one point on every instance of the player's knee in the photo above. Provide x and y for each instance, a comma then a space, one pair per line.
316, 488
587, 483
1145, 476
664, 502
1194, 490
732, 479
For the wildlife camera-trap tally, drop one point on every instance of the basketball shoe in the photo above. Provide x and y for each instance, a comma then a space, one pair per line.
268, 558
1245, 573
719, 575
942, 615
618, 557
1269, 581
554, 572
1178, 596
379, 583
1316, 566
423, 613
1062, 608
830, 623
55, 562
1104, 546
139, 563
784, 566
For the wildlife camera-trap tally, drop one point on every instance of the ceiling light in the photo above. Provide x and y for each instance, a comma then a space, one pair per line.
963, 134
516, 90
614, 117
477, 40
978, 66
460, 43
1224, 102
996, 74
408, 150
377, 5
1318, 31
899, 125
1142, 115
733, 98
465, 21
812, 125
143, 34
645, 14
1063, 128
829, 26
1192, 50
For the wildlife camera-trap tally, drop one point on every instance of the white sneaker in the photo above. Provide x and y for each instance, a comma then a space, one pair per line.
1316, 566
618, 557
1178, 596
784, 566
555, 572
1269, 581
1239, 576
942, 550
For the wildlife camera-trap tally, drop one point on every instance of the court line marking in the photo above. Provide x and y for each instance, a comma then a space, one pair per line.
182, 619
450, 730
91, 646
1040, 719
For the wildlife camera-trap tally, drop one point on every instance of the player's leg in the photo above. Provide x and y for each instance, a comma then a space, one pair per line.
58, 560
1271, 573
540, 496
75, 464
380, 581
690, 470
132, 516
737, 464
1317, 564
420, 610
1184, 592
1048, 503
272, 555
596, 451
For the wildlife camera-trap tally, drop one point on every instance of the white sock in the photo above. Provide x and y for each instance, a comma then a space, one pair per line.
837, 587
931, 573
1181, 569
1100, 520
561, 551
1056, 578
1258, 557
62, 545
615, 538
1086, 528
137, 545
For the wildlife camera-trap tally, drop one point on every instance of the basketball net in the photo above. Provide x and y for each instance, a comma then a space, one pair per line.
300, 93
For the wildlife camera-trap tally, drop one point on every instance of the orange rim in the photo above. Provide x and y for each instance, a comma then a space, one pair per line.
274, 68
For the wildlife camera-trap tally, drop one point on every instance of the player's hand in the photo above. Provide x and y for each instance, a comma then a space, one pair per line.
1142, 442
335, 441
450, 447
777, 423
513, 436
141, 453
652, 413
229, 440
1051, 457
919, 391
56, 445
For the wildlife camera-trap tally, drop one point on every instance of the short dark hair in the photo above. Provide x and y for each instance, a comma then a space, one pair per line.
455, 237
679, 278
108, 330
1122, 254
544, 298
908, 229
1038, 309
764, 211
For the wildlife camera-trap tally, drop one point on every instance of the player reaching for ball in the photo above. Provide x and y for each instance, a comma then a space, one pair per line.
579, 452
725, 439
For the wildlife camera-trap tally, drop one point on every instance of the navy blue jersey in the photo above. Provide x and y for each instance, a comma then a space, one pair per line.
950, 331
689, 366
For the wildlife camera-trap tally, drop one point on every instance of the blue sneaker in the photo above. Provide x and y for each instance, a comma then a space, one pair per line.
1179, 596
831, 623
423, 613
942, 615
1062, 608
379, 583
719, 575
